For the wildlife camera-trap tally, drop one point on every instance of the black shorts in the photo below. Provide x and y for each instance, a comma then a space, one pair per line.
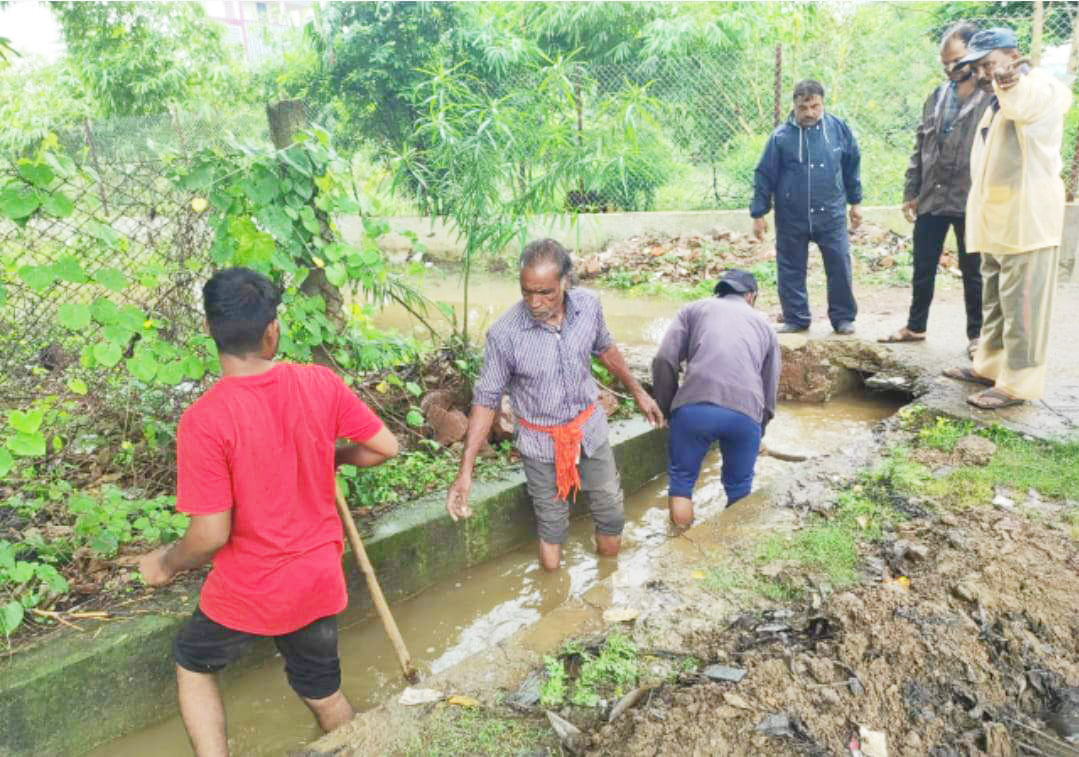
311, 662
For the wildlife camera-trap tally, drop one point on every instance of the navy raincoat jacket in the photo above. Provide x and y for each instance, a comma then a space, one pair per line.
812, 172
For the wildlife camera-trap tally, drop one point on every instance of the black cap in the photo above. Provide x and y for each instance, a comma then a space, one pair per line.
986, 41
736, 282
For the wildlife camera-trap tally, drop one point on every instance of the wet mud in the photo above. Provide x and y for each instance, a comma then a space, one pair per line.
976, 657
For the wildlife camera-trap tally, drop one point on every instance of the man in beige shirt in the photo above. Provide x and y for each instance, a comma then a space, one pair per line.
1015, 217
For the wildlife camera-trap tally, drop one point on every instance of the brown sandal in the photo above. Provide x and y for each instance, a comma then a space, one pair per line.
966, 374
903, 335
993, 399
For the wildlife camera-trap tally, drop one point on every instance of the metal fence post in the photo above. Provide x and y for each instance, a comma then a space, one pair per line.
777, 114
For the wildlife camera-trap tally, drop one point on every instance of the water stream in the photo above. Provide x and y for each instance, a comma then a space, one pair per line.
631, 319
466, 614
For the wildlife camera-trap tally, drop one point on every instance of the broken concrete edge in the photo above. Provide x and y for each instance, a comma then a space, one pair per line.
77, 691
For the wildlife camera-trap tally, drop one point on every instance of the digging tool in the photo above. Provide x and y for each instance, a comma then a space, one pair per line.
377, 596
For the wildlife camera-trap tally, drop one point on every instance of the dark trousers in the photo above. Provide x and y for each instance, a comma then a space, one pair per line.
792, 256
929, 234
694, 429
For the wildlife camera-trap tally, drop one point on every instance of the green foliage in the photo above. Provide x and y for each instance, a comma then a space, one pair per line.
610, 673
1050, 468
114, 518
453, 731
944, 432
140, 58
370, 57
24, 584
553, 690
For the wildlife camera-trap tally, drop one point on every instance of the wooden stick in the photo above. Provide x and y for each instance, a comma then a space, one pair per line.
57, 617
376, 591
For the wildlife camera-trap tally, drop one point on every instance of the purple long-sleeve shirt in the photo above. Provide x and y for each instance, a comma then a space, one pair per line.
731, 354
547, 371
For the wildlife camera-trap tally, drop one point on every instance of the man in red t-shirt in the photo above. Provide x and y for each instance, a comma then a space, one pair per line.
255, 460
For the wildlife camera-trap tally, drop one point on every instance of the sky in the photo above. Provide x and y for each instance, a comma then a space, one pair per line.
32, 30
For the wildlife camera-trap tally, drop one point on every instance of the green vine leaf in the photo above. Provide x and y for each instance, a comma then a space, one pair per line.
23, 444
107, 354
18, 201
26, 421
58, 205
11, 616
143, 366
110, 278
37, 277
68, 269
7, 462
73, 316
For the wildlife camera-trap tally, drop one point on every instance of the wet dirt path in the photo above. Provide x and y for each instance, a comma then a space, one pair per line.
469, 613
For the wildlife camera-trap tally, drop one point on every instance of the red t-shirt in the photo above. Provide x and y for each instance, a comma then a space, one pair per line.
263, 446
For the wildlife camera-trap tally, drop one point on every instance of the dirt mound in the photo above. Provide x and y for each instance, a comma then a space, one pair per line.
975, 657
681, 258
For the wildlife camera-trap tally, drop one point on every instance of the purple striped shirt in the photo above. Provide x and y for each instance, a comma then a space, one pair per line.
547, 371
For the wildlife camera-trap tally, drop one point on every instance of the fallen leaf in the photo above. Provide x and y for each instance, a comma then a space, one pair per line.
413, 696
699, 575
736, 701
620, 614
462, 701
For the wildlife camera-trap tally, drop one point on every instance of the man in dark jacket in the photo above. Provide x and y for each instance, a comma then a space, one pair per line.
810, 167
938, 180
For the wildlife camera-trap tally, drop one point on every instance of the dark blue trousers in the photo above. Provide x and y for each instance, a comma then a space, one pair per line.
694, 428
792, 256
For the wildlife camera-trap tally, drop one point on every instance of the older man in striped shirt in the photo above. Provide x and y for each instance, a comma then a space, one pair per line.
540, 351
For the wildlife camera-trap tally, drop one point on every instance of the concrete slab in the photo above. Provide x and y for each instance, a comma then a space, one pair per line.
1055, 416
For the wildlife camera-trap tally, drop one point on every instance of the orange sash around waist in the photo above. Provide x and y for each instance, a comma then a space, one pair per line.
567, 450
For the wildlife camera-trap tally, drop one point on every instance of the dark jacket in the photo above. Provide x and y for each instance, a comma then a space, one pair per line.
938, 174
813, 173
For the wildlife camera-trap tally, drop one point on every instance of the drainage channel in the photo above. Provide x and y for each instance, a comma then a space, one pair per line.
467, 613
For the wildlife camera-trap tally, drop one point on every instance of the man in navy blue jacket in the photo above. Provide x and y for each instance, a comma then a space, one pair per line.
810, 167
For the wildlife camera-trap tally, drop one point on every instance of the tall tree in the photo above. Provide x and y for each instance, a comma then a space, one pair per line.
371, 57
138, 59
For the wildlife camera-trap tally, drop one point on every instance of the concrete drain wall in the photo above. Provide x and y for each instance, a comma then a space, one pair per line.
78, 691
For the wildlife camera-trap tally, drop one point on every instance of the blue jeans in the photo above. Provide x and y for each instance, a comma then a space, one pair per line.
792, 257
694, 428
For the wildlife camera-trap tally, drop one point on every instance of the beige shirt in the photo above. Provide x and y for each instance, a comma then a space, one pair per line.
1016, 200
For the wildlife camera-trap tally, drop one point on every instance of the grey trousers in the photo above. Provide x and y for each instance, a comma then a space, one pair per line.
1017, 307
599, 480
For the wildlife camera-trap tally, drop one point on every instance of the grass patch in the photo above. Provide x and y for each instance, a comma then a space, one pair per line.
826, 548
1051, 468
943, 433
729, 580
609, 674
453, 731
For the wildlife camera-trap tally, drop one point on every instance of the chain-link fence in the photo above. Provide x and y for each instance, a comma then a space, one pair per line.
710, 116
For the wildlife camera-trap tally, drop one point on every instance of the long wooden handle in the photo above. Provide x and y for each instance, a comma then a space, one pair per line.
376, 591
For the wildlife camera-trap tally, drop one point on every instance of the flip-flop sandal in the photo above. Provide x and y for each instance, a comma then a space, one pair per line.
903, 335
966, 374
993, 399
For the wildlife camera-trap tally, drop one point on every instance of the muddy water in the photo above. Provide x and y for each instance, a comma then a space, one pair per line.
466, 614
630, 319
